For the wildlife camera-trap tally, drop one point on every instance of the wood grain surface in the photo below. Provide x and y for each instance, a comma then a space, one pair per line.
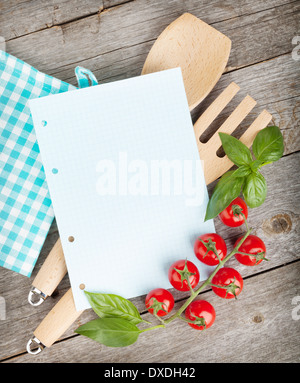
113, 38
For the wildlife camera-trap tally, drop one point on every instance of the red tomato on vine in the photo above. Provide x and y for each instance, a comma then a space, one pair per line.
234, 215
183, 275
252, 251
227, 283
210, 249
159, 302
202, 313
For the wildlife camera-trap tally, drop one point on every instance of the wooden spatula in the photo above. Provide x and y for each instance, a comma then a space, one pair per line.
202, 53
61, 317
200, 50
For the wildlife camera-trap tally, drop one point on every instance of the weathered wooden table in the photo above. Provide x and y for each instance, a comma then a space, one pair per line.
112, 38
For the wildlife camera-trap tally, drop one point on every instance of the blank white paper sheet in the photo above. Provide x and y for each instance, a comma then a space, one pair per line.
126, 182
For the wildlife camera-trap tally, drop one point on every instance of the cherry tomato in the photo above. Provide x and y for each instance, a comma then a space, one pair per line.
230, 282
181, 272
202, 312
159, 302
207, 246
231, 216
252, 245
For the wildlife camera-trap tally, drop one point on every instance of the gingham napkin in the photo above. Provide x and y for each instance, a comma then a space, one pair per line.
25, 206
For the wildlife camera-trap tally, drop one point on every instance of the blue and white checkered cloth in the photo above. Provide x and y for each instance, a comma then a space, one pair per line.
25, 207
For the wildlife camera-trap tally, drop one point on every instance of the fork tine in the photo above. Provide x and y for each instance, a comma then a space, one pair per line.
215, 109
259, 123
232, 122
215, 166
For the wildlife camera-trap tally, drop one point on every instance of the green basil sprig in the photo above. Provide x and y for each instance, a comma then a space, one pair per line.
117, 322
111, 305
112, 332
267, 147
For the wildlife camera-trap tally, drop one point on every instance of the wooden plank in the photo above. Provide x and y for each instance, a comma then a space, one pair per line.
19, 17
133, 24
276, 222
113, 3
260, 326
35, 15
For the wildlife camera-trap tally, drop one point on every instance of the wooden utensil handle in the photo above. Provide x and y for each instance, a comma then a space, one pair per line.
52, 271
58, 320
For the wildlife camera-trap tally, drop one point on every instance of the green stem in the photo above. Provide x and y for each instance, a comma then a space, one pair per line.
190, 286
153, 328
217, 255
160, 319
208, 281
210, 246
186, 320
245, 221
218, 286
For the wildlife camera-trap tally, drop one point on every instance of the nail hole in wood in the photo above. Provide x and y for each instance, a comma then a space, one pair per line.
71, 239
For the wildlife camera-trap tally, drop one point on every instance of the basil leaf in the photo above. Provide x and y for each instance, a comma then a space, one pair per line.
242, 171
255, 189
268, 144
111, 305
255, 165
112, 332
236, 151
226, 190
